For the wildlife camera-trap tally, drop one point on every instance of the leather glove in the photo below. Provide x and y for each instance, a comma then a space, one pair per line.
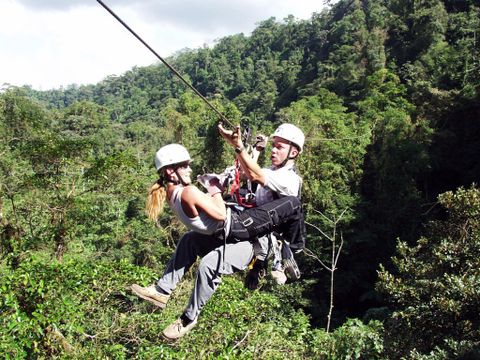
214, 187
252, 280
260, 142
211, 183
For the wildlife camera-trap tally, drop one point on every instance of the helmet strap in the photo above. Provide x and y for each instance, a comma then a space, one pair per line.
169, 179
180, 179
288, 156
161, 179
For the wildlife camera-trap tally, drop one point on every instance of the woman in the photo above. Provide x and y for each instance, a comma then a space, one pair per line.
207, 213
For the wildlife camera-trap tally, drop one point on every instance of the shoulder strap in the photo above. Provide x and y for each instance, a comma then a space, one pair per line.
295, 170
176, 193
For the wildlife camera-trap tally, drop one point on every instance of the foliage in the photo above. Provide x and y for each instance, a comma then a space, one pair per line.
436, 287
50, 308
353, 340
398, 152
388, 94
335, 137
78, 309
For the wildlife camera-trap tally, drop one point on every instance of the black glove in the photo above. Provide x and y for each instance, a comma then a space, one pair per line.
254, 275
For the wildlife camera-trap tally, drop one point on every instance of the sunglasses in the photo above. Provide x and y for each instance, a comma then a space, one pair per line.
183, 165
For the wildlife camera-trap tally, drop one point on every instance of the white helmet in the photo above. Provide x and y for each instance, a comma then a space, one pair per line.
291, 133
171, 154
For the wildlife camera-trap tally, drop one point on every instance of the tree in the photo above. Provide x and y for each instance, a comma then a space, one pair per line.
83, 118
21, 117
434, 291
345, 68
57, 165
394, 161
331, 167
21, 120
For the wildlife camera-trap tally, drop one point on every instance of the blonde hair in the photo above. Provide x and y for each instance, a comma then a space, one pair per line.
156, 200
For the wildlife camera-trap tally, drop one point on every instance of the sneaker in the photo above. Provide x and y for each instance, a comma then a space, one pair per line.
151, 294
291, 269
178, 328
279, 277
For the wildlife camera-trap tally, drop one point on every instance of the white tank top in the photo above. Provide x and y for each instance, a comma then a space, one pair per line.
202, 223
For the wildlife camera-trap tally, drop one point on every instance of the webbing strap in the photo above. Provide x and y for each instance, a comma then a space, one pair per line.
248, 223
235, 188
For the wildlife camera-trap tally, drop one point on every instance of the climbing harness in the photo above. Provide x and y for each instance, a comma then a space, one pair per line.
247, 201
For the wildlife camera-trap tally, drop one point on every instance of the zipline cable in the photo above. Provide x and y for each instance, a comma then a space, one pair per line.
222, 117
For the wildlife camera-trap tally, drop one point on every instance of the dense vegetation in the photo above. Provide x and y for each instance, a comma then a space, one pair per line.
388, 93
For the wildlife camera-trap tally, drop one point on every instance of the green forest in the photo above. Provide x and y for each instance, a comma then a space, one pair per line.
388, 95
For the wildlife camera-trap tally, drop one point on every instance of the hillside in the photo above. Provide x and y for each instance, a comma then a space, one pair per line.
388, 93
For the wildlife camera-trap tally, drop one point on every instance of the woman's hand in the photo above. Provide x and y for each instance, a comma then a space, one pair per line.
234, 137
214, 187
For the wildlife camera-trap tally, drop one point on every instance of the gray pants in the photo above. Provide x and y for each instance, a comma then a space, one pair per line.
213, 264
265, 247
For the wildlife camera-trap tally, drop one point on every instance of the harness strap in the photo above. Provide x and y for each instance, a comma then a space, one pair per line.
248, 223
222, 231
235, 188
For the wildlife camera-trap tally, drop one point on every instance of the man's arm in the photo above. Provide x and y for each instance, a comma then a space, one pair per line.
249, 166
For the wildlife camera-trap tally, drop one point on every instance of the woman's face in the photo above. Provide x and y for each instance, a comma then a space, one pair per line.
185, 171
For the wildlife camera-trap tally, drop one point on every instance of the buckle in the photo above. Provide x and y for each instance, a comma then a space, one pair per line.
247, 222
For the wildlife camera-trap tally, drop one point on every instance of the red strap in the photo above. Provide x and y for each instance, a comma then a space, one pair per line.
235, 188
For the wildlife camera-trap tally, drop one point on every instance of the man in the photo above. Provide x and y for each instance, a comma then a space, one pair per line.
219, 258
277, 181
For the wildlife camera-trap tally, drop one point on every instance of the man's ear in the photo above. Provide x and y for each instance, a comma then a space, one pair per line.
294, 152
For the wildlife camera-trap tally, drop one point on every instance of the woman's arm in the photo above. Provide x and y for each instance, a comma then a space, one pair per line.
196, 200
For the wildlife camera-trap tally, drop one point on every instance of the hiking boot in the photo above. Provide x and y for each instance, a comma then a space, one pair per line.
179, 328
151, 294
279, 277
289, 264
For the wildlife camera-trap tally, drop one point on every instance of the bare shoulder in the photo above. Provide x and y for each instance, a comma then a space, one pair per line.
191, 191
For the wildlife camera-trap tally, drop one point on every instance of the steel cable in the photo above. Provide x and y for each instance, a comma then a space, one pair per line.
222, 117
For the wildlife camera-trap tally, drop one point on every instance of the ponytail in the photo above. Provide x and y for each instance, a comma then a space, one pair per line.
156, 200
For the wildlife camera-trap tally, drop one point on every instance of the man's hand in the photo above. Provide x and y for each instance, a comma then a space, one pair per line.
234, 137
249, 166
